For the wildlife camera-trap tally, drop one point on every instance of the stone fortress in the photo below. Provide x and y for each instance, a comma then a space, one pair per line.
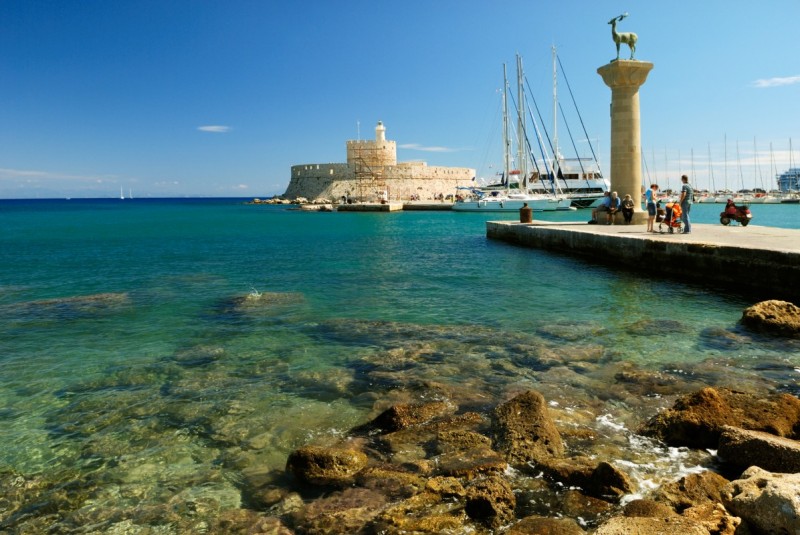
372, 174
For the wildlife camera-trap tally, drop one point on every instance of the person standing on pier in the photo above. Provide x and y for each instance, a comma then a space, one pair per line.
687, 196
650, 197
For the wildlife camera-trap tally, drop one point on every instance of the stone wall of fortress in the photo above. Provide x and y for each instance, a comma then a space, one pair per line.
335, 180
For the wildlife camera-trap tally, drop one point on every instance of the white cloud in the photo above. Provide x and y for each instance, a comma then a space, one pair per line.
241, 186
217, 129
16, 174
777, 82
417, 146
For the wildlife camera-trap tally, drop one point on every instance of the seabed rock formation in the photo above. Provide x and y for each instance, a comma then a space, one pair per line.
430, 468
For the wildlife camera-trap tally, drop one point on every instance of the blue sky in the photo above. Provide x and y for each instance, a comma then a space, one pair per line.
201, 98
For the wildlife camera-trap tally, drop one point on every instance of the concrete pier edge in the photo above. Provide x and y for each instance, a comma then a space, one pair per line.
758, 262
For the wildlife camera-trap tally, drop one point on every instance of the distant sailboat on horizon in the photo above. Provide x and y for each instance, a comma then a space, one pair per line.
121, 195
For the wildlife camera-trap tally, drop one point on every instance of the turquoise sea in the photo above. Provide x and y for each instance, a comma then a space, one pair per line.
170, 353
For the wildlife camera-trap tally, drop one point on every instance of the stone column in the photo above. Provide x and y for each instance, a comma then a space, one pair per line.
624, 77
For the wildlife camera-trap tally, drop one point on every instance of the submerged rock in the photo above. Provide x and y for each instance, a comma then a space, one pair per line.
342, 513
539, 525
325, 466
404, 415
775, 317
67, 308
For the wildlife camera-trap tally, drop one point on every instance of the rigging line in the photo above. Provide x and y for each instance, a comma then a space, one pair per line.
580, 118
575, 148
527, 140
646, 170
549, 142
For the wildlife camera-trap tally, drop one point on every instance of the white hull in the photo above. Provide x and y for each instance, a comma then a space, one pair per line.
513, 204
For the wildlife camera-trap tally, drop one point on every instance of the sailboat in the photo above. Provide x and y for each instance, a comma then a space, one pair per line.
504, 200
121, 195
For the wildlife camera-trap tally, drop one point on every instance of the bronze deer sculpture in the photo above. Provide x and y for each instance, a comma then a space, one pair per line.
629, 38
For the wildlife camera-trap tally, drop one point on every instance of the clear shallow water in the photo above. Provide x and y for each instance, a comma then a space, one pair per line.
134, 361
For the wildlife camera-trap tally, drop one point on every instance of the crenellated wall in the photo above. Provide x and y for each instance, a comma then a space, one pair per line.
334, 180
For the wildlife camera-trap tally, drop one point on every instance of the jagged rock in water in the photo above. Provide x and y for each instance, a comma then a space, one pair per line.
341, 513
714, 517
692, 490
491, 501
404, 415
648, 508
628, 525
775, 317
696, 420
390, 480
524, 431
539, 525
247, 521
426, 512
744, 448
601, 480
768, 502
325, 466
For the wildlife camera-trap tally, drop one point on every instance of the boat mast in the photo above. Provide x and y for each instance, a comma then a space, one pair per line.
522, 160
556, 163
506, 148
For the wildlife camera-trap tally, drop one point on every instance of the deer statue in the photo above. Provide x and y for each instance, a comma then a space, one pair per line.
629, 38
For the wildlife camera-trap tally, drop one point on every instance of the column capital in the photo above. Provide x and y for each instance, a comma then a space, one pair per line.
625, 73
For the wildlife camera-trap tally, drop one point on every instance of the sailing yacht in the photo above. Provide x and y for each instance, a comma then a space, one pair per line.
499, 200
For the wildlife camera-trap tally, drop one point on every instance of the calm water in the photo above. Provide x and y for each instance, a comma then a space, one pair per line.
168, 349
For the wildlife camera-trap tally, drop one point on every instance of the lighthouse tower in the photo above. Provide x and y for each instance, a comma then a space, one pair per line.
376, 153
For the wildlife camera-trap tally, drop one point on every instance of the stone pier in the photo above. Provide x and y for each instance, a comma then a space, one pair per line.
624, 77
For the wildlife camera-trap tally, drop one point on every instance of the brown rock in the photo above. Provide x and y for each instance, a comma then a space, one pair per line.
417, 439
422, 513
524, 431
753, 448
446, 487
648, 508
538, 525
344, 512
692, 490
775, 317
246, 522
602, 481
714, 517
405, 415
470, 464
460, 440
491, 501
390, 481
325, 466
768, 502
696, 420
675, 525
575, 504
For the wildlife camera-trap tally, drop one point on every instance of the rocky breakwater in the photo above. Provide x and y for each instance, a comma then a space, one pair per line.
436, 468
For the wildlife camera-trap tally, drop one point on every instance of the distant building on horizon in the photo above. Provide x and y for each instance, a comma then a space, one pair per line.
372, 171
789, 180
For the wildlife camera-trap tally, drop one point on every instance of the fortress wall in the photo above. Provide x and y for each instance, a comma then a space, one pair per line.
334, 181
372, 153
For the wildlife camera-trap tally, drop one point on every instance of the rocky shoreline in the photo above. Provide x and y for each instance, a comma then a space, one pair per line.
435, 468
508, 456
